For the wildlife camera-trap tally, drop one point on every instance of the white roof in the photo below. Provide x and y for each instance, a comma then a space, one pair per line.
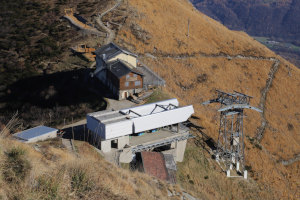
141, 118
151, 108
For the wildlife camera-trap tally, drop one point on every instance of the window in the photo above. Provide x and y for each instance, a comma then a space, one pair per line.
127, 76
126, 84
134, 75
137, 83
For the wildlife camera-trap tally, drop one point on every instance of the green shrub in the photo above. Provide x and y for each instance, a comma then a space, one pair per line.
158, 95
81, 182
49, 187
16, 166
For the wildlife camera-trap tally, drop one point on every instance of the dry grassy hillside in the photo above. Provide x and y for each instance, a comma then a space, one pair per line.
216, 58
46, 170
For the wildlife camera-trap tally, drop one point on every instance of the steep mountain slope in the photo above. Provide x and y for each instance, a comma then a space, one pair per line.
48, 171
214, 57
35, 44
275, 21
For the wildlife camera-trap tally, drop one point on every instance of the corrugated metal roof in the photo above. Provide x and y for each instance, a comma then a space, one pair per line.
140, 118
34, 132
150, 108
154, 164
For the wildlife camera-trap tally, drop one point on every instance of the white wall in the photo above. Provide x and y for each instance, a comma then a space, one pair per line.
161, 119
118, 129
128, 58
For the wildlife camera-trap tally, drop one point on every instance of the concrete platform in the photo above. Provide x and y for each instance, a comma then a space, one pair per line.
149, 138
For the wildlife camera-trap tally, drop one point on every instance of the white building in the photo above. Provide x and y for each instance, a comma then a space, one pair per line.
117, 126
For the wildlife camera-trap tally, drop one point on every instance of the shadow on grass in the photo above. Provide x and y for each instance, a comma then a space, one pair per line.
202, 139
54, 98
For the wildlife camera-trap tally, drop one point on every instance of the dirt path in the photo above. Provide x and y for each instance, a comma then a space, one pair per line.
69, 144
264, 93
110, 33
291, 161
82, 26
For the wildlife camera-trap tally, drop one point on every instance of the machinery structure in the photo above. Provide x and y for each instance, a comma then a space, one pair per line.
230, 147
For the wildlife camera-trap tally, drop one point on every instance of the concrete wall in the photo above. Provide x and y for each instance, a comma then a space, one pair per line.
180, 149
106, 146
128, 58
121, 94
43, 137
122, 141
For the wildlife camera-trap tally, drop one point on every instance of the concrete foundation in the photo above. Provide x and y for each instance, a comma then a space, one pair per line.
173, 145
106, 146
228, 173
123, 94
122, 141
245, 174
238, 166
126, 156
180, 149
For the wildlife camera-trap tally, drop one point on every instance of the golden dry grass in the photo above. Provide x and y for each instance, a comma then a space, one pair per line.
166, 22
57, 174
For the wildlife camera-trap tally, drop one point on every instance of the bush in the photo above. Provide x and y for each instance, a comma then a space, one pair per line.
16, 166
81, 182
290, 127
48, 186
202, 78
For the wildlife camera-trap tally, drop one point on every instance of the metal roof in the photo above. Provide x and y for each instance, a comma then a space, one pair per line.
34, 132
111, 50
151, 108
120, 68
108, 117
138, 119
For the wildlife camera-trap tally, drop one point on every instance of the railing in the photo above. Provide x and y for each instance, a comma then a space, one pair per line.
141, 148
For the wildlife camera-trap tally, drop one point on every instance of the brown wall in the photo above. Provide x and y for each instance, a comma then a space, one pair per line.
131, 81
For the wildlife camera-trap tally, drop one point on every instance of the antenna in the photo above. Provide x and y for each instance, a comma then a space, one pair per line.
230, 148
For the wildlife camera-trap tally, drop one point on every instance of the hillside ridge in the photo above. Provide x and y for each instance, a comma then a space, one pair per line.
212, 57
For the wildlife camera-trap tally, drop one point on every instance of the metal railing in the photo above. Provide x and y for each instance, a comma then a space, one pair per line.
141, 148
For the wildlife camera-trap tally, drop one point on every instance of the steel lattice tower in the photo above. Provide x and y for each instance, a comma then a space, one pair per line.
230, 147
